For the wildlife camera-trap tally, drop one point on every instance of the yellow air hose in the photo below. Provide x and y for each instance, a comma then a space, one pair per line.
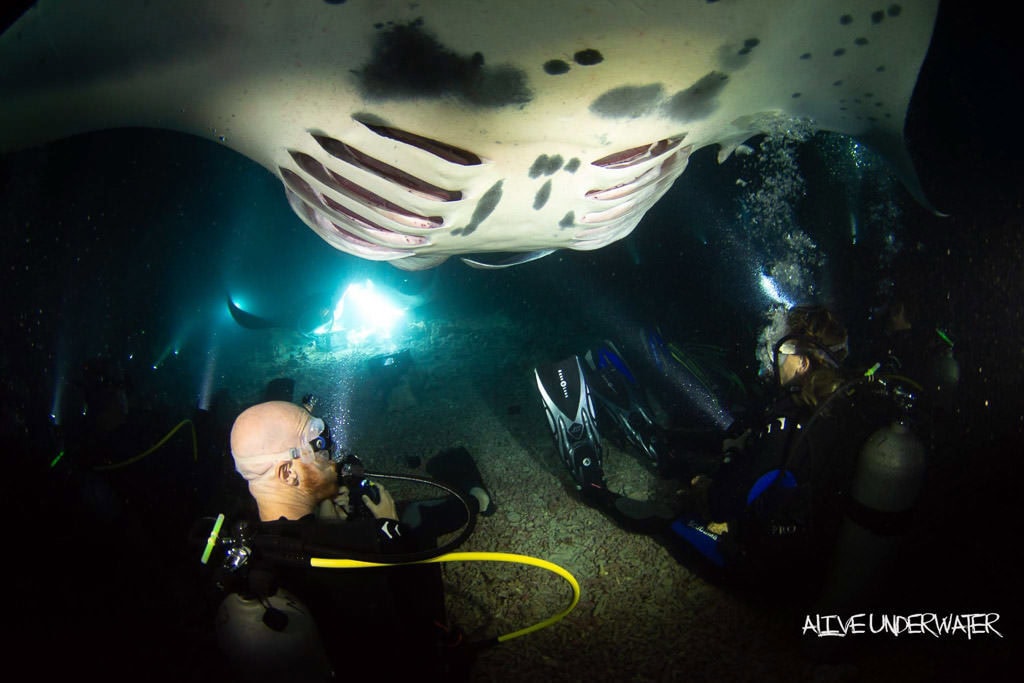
328, 563
156, 446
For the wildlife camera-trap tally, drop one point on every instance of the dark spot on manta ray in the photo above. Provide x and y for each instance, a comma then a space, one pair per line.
697, 101
860, 41
880, 69
555, 67
628, 101
588, 57
795, 95
839, 52
877, 17
567, 220
806, 55
545, 165
846, 20
409, 63
572, 166
484, 208
748, 45
542, 196
894, 11
335, 2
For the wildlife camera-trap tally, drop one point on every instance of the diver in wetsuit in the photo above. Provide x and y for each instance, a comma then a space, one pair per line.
316, 623
775, 498
773, 504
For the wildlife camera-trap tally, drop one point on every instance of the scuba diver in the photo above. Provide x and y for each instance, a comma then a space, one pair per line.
795, 497
286, 620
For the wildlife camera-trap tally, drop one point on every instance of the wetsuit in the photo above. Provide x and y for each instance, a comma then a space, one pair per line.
780, 495
785, 494
363, 613
367, 617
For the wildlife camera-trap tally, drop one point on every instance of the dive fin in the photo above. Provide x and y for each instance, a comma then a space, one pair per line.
569, 408
619, 393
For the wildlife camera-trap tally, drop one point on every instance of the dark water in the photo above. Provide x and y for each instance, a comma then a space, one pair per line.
124, 244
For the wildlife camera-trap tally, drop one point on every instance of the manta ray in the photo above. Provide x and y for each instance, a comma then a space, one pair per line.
410, 132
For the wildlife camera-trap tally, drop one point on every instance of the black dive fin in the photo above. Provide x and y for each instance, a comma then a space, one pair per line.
569, 408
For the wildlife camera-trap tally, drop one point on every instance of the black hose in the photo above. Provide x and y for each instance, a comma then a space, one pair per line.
300, 552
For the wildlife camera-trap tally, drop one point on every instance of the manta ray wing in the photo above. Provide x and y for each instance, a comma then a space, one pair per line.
409, 132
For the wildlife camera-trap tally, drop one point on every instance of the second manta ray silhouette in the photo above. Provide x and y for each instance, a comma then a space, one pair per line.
410, 132
306, 319
317, 313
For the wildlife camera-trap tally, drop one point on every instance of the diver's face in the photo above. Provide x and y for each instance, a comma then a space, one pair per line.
317, 475
316, 470
793, 365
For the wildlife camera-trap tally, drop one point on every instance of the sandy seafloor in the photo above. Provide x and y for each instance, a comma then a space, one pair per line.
642, 615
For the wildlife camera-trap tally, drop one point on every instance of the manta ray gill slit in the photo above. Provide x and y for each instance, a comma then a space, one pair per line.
352, 156
365, 197
629, 200
362, 224
355, 230
443, 150
637, 155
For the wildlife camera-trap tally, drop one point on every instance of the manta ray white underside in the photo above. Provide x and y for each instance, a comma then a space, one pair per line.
411, 131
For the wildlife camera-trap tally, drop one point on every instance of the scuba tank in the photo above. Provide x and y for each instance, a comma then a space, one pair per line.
887, 481
271, 639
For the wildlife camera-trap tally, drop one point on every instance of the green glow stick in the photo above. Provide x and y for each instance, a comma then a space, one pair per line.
212, 540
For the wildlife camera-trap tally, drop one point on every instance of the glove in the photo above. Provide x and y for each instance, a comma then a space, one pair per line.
385, 508
736, 444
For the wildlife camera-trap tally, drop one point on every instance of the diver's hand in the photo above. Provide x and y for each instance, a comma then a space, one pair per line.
701, 481
335, 508
737, 444
386, 508
342, 503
